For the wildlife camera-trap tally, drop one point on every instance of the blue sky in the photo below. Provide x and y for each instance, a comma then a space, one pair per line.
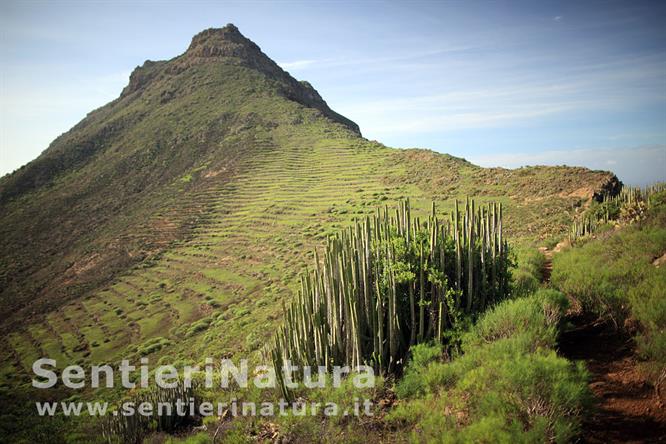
498, 83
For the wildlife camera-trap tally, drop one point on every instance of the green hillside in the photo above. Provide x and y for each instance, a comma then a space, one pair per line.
177, 218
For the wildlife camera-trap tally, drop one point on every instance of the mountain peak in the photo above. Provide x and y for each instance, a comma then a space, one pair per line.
227, 46
222, 42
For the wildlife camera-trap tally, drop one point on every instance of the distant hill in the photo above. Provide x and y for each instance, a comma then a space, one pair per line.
175, 219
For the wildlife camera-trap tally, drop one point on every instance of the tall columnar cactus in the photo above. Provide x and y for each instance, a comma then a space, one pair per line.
133, 428
391, 281
628, 205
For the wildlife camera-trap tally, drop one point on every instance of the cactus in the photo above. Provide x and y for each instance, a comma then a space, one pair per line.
386, 284
133, 428
632, 203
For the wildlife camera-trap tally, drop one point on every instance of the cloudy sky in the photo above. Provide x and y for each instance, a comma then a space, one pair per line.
498, 83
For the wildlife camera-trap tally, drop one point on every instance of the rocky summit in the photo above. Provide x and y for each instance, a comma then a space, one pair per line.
228, 46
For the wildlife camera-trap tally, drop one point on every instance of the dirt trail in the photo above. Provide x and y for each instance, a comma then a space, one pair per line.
548, 265
627, 408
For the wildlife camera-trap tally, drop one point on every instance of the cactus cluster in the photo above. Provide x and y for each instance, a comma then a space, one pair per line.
628, 206
132, 428
583, 227
391, 281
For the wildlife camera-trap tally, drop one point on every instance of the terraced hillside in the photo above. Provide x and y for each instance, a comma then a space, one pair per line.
176, 219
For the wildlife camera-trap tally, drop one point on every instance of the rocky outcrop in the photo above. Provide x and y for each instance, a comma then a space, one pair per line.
227, 45
611, 187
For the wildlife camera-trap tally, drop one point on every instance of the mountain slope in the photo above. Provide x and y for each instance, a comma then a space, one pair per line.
170, 119
177, 217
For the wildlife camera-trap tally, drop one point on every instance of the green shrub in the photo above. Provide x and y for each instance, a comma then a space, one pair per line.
529, 272
537, 315
153, 345
198, 327
539, 391
601, 273
648, 305
527, 396
614, 277
524, 283
199, 438
508, 386
414, 382
532, 261
240, 312
423, 354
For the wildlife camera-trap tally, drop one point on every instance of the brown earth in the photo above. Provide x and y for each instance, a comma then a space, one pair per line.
626, 406
548, 266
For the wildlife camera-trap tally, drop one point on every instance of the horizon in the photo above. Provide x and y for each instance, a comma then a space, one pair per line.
546, 84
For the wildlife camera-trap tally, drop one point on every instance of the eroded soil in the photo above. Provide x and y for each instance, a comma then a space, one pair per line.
626, 406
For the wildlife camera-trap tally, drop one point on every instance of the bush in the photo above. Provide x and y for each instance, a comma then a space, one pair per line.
526, 396
615, 278
532, 261
423, 354
524, 283
648, 306
198, 327
529, 272
200, 438
153, 345
540, 391
508, 386
419, 375
537, 316
600, 274
530, 323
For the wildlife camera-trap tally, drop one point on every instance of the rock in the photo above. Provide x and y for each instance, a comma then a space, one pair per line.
631, 325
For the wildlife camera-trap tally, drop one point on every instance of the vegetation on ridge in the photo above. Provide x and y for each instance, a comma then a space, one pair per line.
626, 207
508, 386
620, 276
392, 281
